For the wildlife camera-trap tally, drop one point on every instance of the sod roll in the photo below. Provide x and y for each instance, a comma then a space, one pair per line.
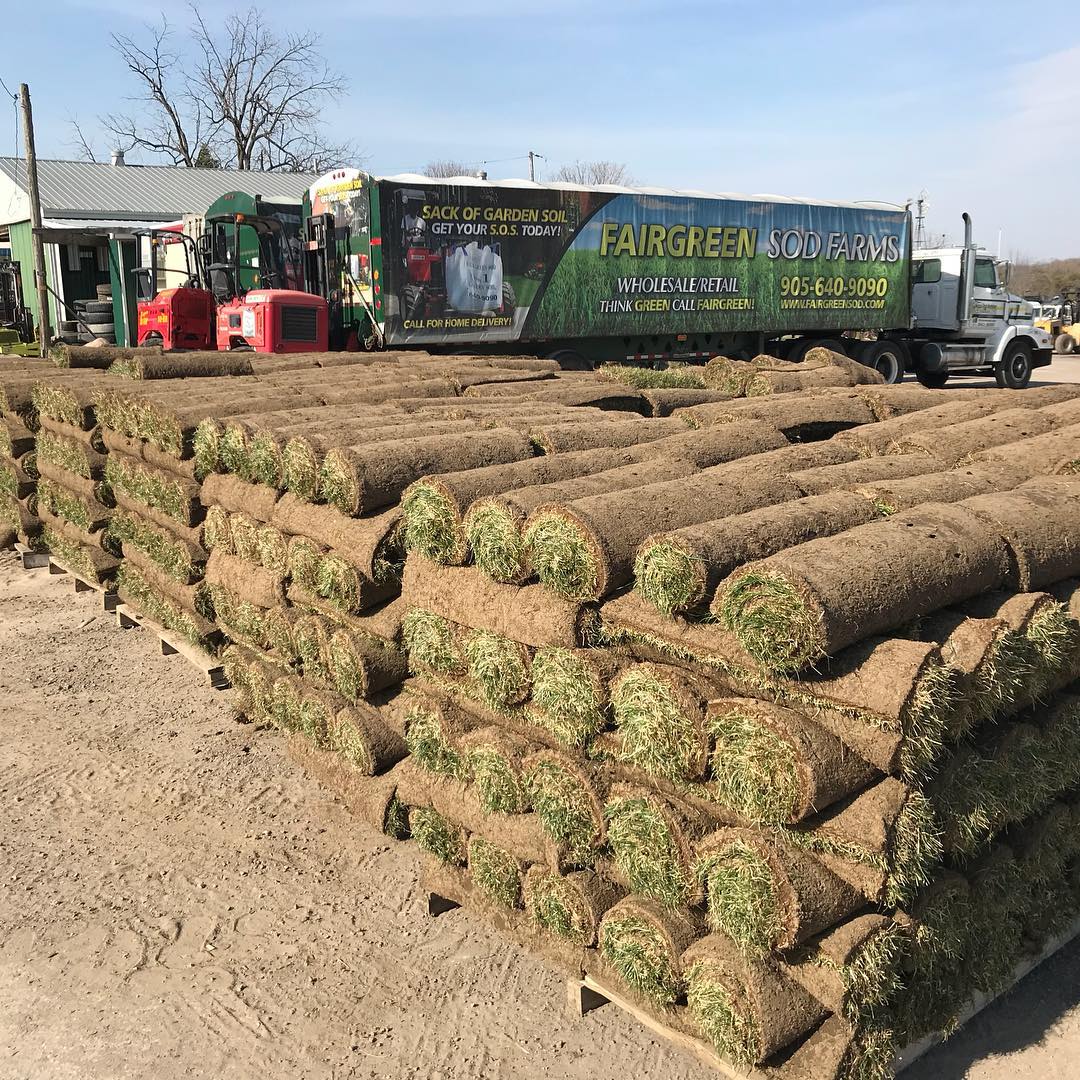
569, 905
679, 570
954, 442
1054, 452
825, 478
562, 438
181, 365
877, 438
793, 609
251, 583
802, 417
950, 485
748, 1008
570, 691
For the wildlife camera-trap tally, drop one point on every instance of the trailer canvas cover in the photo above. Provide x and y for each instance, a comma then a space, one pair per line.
501, 263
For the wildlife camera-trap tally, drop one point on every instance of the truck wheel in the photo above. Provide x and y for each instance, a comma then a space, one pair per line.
509, 299
935, 380
833, 345
1065, 344
886, 358
1015, 368
570, 360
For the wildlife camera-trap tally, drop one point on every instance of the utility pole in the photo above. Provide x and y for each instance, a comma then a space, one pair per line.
533, 155
44, 330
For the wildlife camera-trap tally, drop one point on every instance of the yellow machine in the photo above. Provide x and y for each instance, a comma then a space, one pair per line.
1062, 321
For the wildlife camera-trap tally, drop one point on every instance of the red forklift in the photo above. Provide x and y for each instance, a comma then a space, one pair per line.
179, 317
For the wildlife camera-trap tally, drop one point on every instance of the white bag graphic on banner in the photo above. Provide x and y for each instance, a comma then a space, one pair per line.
474, 278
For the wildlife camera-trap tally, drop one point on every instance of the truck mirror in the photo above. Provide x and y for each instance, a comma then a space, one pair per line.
1005, 270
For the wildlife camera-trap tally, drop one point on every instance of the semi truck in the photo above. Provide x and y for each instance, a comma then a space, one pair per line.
608, 273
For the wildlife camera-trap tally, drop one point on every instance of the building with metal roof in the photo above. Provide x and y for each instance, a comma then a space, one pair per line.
92, 213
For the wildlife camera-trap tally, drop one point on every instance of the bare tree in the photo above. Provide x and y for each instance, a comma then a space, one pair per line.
83, 146
443, 169
594, 172
243, 95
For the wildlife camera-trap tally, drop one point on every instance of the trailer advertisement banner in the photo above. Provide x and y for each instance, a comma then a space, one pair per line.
505, 264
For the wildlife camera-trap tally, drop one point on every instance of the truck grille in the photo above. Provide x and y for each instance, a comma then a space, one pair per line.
299, 324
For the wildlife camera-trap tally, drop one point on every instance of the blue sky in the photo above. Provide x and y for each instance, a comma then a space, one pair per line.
975, 103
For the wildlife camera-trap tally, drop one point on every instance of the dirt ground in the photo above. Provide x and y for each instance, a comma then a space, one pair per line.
178, 900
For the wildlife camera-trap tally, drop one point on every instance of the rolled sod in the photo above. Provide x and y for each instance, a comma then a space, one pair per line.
793, 609
371, 544
659, 713
495, 872
570, 692
16, 480
363, 664
333, 578
773, 765
18, 517
564, 438
244, 580
854, 969
747, 1007
1052, 453
529, 615
172, 495
237, 496
433, 729
80, 356
278, 625
803, 418
651, 839
88, 561
70, 454
731, 376
318, 707
87, 515
665, 401
569, 905
134, 588
360, 479
765, 382
951, 485
499, 668
311, 643
181, 366
567, 797
643, 944
679, 570
140, 449
1038, 523
899, 399
876, 438
433, 643
955, 442
444, 840
240, 620
826, 478
16, 438
765, 894
494, 759
889, 699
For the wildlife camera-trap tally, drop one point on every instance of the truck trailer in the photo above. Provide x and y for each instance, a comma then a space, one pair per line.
591, 274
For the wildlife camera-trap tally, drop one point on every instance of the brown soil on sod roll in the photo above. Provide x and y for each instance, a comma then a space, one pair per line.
72, 454
787, 894
812, 601
1054, 452
763, 1009
703, 555
565, 438
877, 438
556, 392
897, 399
88, 540
1037, 397
1040, 530
90, 439
57, 484
584, 897
950, 485
184, 365
375, 477
761, 749
954, 442
244, 580
765, 382
116, 443
605, 530
364, 542
101, 356
865, 696
16, 438
804, 417
363, 664
827, 478
529, 615
238, 496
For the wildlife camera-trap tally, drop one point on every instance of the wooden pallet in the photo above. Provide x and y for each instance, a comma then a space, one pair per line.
109, 599
590, 992
172, 645
31, 559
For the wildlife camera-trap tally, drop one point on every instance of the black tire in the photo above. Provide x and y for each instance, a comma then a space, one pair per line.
796, 354
1065, 344
1014, 371
69, 326
103, 329
98, 305
570, 360
413, 300
97, 318
935, 380
887, 358
509, 299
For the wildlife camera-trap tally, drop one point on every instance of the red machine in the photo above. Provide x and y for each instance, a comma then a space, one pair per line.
180, 317
274, 321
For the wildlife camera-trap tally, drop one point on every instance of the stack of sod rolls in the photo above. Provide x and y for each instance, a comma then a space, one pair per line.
801, 824
18, 456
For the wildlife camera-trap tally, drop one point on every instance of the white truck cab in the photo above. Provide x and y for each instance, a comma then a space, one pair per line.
964, 319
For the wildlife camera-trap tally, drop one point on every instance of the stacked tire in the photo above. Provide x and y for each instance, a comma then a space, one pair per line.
95, 320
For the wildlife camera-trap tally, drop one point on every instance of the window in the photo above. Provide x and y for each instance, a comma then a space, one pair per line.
985, 274
927, 271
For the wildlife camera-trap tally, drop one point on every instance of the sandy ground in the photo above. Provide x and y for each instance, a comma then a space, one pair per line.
178, 900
